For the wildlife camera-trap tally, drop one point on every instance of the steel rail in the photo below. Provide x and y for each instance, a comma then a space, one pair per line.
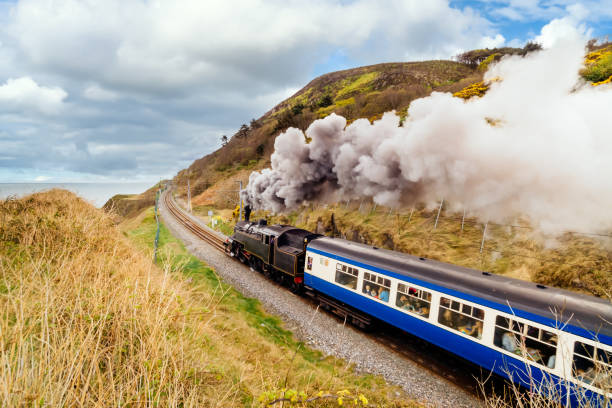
210, 236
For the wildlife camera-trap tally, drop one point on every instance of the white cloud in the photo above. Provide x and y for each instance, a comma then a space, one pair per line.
525, 10
488, 42
96, 93
169, 46
182, 72
566, 27
530, 10
25, 94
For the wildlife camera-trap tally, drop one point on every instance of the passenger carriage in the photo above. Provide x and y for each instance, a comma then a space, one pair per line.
551, 339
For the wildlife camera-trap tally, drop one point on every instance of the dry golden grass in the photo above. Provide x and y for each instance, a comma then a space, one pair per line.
87, 320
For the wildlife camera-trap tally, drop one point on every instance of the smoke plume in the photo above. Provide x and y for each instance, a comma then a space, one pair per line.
538, 144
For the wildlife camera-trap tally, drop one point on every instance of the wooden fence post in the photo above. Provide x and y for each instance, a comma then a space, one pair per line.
484, 233
439, 211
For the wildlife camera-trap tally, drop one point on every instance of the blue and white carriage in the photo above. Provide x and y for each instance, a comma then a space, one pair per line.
552, 339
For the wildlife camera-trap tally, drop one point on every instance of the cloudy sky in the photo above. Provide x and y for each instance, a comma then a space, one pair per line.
122, 90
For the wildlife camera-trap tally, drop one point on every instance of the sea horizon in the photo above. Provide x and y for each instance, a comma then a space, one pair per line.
96, 193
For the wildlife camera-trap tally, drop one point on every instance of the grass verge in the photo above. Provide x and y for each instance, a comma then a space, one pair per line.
87, 320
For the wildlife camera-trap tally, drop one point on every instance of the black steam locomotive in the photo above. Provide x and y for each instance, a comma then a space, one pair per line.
276, 250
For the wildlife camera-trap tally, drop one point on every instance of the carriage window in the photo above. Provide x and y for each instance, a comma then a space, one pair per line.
604, 356
347, 276
461, 317
530, 342
309, 263
413, 300
592, 366
324, 261
376, 286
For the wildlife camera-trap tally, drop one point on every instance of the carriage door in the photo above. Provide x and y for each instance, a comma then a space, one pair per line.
271, 243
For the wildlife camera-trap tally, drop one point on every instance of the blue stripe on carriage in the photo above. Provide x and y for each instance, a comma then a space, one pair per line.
473, 351
579, 331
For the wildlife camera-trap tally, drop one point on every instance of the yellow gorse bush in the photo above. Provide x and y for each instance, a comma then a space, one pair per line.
598, 66
606, 81
475, 89
596, 56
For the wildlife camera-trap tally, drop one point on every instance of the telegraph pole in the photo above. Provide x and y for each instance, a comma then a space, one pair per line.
156, 243
188, 192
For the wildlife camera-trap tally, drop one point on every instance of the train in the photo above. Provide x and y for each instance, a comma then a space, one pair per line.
550, 340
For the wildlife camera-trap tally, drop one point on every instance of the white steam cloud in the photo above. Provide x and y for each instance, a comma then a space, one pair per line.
538, 144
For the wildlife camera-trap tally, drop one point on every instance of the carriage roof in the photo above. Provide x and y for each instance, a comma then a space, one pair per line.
587, 313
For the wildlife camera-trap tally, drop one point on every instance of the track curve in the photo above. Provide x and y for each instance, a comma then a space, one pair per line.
209, 235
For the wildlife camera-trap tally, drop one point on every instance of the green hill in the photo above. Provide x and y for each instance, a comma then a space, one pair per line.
578, 262
354, 93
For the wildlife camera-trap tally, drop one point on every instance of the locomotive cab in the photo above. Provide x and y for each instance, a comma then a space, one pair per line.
276, 250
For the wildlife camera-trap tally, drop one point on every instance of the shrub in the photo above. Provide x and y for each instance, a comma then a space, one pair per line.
598, 66
297, 108
325, 101
476, 89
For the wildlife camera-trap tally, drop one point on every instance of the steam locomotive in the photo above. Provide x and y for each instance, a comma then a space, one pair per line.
276, 250
556, 342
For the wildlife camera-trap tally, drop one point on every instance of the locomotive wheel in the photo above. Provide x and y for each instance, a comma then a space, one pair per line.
254, 264
280, 278
267, 272
296, 288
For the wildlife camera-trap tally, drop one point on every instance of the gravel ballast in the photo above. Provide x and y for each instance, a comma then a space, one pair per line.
324, 332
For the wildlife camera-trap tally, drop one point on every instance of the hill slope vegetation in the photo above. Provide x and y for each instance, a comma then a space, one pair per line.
579, 262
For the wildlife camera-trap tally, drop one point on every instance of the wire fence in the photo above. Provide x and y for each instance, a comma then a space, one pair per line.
487, 244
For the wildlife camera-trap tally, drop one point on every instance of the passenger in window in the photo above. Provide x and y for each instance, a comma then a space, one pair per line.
587, 375
423, 310
446, 318
475, 330
462, 321
510, 342
366, 289
402, 301
384, 295
374, 293
553, 358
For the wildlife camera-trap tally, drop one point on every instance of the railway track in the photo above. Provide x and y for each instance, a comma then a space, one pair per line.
433, 359
211, 236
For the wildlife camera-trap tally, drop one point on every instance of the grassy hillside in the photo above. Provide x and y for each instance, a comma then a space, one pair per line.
355, 93
364, 92
578, 262
87, 319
